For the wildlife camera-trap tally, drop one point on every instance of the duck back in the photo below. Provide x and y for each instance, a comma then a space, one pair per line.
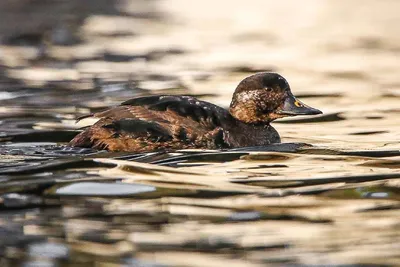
158, 123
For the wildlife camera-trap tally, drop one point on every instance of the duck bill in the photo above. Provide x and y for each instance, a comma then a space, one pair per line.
293, 107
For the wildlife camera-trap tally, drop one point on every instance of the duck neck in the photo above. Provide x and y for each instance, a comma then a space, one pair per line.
241, 134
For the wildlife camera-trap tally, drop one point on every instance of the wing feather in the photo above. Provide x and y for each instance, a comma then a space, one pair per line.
175, 120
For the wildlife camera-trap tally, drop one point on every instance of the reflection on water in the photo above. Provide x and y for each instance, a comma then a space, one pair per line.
329, 195
101, 189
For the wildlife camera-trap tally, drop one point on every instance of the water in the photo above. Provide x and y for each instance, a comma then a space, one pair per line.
327, 196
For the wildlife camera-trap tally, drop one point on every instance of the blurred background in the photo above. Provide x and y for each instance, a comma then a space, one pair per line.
335, 45
60, 59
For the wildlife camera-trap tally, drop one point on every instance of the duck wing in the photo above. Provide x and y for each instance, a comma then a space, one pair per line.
157, 122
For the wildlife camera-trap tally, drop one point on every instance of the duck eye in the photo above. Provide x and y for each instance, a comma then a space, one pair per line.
269, 89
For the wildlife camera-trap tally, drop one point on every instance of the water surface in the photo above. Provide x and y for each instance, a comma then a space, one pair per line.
329, 195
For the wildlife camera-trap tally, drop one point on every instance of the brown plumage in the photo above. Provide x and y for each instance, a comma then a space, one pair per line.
178, 122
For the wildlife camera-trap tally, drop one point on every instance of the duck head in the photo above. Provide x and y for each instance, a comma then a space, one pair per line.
264, 97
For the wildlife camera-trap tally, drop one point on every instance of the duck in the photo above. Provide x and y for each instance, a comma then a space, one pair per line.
171, 122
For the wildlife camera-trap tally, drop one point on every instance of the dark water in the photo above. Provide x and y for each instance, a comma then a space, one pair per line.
329, 195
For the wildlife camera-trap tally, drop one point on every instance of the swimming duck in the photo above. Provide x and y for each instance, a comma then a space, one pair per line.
167, 122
